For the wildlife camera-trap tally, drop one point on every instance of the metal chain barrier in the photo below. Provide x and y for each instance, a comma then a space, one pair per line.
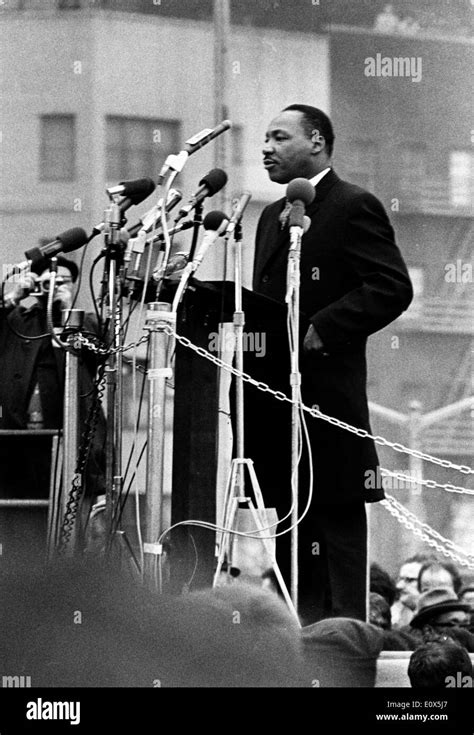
394, 507
75, 491
95, 345
426, 533
427, 483
280, 396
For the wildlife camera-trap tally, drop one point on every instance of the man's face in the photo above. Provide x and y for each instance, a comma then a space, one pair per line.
452, 618
288, 153
64, 286
407, 584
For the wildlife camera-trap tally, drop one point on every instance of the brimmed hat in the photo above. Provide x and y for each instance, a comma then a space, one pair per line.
434, 602
43, 264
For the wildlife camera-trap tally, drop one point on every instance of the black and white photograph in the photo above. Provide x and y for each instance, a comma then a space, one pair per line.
236, 362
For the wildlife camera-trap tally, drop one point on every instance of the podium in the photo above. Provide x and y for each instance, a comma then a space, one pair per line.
195, 432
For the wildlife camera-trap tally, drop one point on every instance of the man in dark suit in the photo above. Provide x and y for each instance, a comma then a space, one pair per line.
353, 283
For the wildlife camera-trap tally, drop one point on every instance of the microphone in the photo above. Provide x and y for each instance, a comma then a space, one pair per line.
176, 263
209, 185
299, 193
215, 224
176, 163
205, 136
152, 216
66, 242
134, 191
238, 212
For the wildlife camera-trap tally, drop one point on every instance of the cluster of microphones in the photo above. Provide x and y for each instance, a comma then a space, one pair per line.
126, 194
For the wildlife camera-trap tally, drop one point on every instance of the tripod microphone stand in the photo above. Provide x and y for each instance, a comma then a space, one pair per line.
235, 494
112, 282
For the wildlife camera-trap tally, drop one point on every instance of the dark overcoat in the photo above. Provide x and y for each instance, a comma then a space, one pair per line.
353, 282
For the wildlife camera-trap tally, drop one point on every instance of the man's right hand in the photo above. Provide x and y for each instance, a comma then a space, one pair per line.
25, 283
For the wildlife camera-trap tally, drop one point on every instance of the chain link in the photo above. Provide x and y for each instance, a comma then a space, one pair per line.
403, 516
279, 395
95, 345
427, 483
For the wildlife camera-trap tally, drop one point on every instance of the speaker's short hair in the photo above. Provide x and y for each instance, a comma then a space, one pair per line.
313, 118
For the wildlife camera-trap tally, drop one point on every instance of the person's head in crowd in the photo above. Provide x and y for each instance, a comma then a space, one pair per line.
466, 594
86, 625
438, 574
66, 277
382, 583
407, 582
261, 622
441, 609
379, 611
434, 664
342, 652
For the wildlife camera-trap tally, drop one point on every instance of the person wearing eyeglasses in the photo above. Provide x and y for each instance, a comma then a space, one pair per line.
31, 397
407, 590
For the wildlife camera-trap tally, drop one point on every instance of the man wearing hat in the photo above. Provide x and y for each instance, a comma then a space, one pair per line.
31, 397
441, 609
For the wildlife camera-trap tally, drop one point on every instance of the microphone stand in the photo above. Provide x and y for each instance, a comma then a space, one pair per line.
69, 502
113, 271
293, 301
159, 318
235, 495
197, 222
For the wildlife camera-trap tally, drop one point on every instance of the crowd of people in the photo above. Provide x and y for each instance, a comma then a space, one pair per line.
238, 634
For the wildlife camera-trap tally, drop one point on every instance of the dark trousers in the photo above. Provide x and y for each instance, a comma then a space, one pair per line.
332, 563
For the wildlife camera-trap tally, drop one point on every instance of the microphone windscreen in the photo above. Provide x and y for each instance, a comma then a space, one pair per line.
300, 189
215, 180
138, 189
72, 239
213, 220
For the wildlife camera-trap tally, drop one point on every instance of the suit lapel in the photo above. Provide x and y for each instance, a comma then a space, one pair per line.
273, 239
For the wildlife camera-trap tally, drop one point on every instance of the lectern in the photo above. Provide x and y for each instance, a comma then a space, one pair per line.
195, 432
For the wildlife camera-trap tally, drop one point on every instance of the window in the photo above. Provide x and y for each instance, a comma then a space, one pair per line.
461, 178
138, 147
57, 148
